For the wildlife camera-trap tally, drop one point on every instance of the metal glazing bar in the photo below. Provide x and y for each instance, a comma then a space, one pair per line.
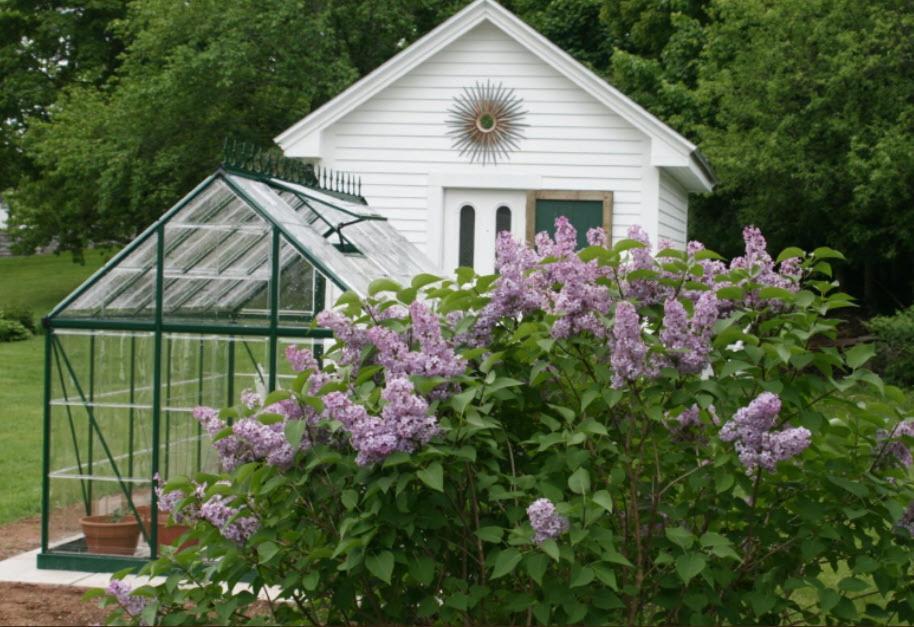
46, 445
168, 348
254, 363
90, 462
230, 388
200, 352
157, 389
131, 414
274, 307
181, 327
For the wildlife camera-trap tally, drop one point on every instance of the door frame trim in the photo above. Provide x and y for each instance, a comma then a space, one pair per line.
605, 197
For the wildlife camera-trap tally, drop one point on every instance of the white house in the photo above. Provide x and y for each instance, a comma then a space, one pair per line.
482, 125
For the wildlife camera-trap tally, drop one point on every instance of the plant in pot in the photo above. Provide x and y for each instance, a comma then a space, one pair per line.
168, 531
116, 533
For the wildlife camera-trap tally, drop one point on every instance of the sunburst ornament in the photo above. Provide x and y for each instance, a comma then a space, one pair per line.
486, 121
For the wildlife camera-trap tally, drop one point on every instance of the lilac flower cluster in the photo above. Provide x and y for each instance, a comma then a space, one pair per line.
629, 352
757, 446
131, 603
219, 513
252, 440
404, 423
893, 447
547, 523
689, 340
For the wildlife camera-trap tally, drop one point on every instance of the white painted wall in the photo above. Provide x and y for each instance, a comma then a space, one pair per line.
397, 143
674, 210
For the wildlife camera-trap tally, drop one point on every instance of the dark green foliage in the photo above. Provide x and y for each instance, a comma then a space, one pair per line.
12, 331
895, 344
21, 314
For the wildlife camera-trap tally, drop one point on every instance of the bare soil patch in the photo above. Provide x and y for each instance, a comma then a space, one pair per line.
31, 604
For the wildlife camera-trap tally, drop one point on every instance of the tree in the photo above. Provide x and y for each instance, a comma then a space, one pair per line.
110, 160
44, 46
811, 113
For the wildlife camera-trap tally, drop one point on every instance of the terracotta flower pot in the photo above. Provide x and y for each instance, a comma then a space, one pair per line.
112, 538
168, 532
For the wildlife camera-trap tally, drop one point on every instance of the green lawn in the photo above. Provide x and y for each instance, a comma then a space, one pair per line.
38, 282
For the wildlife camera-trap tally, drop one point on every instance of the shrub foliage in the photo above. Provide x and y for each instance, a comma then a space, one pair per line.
610, 436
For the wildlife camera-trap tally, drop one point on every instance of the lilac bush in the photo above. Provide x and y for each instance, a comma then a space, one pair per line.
613, 435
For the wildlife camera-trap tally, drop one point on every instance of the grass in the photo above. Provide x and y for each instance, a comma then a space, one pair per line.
39, 283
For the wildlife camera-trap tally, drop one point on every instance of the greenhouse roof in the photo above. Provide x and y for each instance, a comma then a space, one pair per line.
223, 248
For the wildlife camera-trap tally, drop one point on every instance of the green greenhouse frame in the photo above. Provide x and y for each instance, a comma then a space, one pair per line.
194, 310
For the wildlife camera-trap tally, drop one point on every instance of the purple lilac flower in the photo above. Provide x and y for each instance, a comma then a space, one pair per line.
223, 517
547, 523
301, 359
648, 291
435, 357
689, 340
514, 292
352, 338
760, 266
756, 444
907, 519
689, 418
895, 447
251, 399
407, 414
131, 603
629, 351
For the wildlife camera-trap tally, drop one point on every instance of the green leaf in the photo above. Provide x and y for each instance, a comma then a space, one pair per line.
688, 565
349, 499
859, 355
422, 570
536, 564
579, 481
550, 548
581, 576
731, 293
587, 398
680, 536
309, 581
506, 562
828, 599
295, 430
460, 401
432, 476
267, 550
824, 252
421, 280
790, 253
383, 285
381, 565
603, 499
723, 482
490, 534
853, 584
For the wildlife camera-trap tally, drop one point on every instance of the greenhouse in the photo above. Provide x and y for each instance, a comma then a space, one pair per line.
199, 307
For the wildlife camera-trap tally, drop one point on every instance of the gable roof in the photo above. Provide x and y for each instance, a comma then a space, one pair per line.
669, 149
217, 250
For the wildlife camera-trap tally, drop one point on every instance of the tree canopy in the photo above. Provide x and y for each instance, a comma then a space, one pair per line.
112, 109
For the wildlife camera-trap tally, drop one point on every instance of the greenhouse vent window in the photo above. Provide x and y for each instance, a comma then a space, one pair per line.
200, 306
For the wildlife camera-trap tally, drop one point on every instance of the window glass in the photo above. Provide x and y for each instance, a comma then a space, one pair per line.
467, 236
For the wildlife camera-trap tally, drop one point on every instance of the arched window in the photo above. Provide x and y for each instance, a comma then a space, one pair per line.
467, 236
502, 220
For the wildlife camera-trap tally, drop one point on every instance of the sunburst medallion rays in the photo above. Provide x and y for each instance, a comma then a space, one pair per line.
485, 122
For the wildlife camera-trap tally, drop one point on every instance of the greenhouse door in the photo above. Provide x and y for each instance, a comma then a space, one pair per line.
472, 220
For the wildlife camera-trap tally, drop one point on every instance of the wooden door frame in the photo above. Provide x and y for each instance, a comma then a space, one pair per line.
552, 194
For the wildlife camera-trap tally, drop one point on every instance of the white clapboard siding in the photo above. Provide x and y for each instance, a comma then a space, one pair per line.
674, 210
398, 138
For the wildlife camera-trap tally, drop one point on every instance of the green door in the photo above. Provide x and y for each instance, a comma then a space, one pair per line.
583, 214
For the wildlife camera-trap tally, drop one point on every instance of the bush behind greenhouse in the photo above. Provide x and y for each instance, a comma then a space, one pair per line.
610, 436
